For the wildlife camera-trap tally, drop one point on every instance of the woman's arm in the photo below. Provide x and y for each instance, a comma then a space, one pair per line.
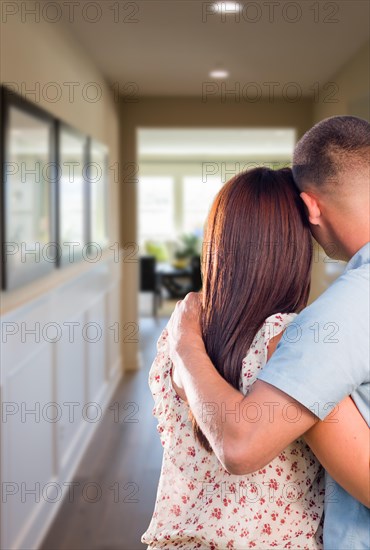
342, 444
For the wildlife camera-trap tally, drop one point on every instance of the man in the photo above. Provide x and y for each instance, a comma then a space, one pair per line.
327, 360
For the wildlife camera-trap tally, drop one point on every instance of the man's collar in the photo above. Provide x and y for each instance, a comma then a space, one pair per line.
361, 257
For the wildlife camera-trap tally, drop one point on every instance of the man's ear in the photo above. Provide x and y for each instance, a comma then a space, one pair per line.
313, 208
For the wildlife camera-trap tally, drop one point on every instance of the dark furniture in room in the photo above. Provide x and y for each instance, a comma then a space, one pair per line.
196, 276
149, 280
178, 282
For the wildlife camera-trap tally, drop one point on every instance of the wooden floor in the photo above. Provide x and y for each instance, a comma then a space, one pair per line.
123, 459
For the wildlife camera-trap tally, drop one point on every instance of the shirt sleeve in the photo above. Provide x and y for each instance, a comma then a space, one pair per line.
324, 354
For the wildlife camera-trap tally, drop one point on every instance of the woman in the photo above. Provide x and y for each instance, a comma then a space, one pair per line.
256, 277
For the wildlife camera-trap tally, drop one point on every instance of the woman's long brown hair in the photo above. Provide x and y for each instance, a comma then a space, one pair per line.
256, 261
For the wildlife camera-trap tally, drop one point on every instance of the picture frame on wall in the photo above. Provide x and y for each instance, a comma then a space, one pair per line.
54, 193
28, 187
98, 194
73, 218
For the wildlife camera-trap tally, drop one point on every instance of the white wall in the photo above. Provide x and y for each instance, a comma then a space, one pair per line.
60, 361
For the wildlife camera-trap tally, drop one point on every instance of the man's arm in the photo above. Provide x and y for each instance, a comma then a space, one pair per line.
339, 442
342, 444
247, 432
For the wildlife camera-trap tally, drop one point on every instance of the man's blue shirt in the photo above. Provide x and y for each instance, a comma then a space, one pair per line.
324, 356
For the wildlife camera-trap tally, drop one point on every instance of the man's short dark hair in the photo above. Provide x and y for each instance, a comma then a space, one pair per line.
329, 148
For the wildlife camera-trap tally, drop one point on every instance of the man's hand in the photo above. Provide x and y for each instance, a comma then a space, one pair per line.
184, 328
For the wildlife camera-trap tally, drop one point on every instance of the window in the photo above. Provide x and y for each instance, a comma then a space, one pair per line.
198, 197
156, 208
172, 205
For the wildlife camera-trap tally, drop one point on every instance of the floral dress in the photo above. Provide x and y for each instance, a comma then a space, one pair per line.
200, 505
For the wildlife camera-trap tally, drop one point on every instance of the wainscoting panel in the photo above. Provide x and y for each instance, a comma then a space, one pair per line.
71, 369
60, 363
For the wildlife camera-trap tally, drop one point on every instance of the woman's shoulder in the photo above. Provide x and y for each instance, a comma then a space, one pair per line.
272, 326
256, 356
275, 324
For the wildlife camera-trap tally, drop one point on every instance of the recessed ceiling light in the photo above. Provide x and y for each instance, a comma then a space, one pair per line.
219, 74
227, 7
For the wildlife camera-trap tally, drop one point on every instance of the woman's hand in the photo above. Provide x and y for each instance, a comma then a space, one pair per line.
184, 330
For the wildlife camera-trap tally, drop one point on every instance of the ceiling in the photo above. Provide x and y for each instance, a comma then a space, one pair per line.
168, 48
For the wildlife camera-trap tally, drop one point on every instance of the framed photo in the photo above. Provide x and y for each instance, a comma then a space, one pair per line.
27, 191
72, 194
98, 193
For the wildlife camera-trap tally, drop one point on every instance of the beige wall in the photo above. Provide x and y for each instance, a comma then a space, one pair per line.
352, 89
352, 92
43, 53
33, 55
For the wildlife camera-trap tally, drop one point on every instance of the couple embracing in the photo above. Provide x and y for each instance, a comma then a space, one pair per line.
266, 436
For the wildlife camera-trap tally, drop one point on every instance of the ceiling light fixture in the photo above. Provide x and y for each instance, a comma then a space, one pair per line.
227, 7
219, 73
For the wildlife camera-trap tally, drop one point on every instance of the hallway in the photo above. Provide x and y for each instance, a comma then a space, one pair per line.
123, 460
120, 123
